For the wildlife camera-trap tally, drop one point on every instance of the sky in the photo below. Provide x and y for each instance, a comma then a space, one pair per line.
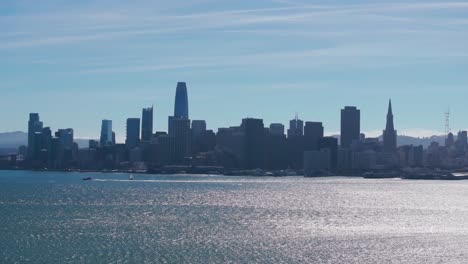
78, 62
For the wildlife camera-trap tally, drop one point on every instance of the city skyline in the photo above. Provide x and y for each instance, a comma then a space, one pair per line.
252, 145
268, 59
148, 115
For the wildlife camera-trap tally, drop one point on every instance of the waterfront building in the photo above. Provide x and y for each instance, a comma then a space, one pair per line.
330, 144
179, 128
276, 151
230, 147
166, 150
316, 161
254, 132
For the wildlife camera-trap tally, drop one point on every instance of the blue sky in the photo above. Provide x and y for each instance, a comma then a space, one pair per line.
77, 62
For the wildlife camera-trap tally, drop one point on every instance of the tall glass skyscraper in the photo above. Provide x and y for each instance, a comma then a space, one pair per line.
147, 124
34, 126
106, 133
181, 101
133, 132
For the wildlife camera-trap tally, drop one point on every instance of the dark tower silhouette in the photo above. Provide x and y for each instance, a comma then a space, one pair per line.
181, 109
133, 132
254, 132
313, 132
147, 124
350, 125
390, 134
34, 126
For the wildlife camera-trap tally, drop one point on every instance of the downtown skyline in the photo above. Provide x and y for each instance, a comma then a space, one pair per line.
265, 59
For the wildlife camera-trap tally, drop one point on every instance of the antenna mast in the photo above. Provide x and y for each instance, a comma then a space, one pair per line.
447, 122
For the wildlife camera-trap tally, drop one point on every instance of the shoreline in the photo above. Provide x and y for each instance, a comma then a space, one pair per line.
427, 175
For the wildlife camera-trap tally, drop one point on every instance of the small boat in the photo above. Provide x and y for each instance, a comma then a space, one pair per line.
87, 179
130, 177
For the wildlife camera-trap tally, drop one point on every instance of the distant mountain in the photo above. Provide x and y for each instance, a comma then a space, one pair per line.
416, 141
425, 141
12, 140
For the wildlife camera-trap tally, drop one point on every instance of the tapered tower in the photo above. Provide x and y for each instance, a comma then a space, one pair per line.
181, 101
390, 134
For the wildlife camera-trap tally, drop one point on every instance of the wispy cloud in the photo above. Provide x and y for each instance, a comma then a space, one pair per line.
88, 25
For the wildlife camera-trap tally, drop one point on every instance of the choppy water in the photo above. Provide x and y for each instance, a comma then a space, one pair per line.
58, 218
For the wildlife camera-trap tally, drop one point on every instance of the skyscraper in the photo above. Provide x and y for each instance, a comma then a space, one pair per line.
198, 127
133, 132
350, 125
296, 127
179, 128
390, 134
147, 124
313, 132
277, 129
106, 133
34, 126
254, 132
65, 137
181, 109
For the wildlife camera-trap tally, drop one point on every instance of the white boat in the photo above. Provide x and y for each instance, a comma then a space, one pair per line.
130, 177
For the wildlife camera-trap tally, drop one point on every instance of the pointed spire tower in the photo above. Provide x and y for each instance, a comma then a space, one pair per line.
390, 134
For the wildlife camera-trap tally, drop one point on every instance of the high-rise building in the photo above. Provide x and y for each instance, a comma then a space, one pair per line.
181, 109
331, 144
296, 127
106, 133
350, 126
277, 129
65, 137
198, 127
449, 141
34, 126
133, 132
462, 140
390, 134
313, 132
147, 124
179, 128
254, 132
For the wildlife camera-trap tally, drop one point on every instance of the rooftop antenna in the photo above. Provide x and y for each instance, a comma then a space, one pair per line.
447, 122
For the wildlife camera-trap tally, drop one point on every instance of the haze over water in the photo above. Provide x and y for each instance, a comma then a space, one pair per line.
49, 217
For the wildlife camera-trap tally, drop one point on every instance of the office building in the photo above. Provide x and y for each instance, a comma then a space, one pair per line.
34, 126
106, 133
296, 127
390, 134
133, 133
181, 108
254, 132
350, 126
313, 132
277, 129
147, 124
